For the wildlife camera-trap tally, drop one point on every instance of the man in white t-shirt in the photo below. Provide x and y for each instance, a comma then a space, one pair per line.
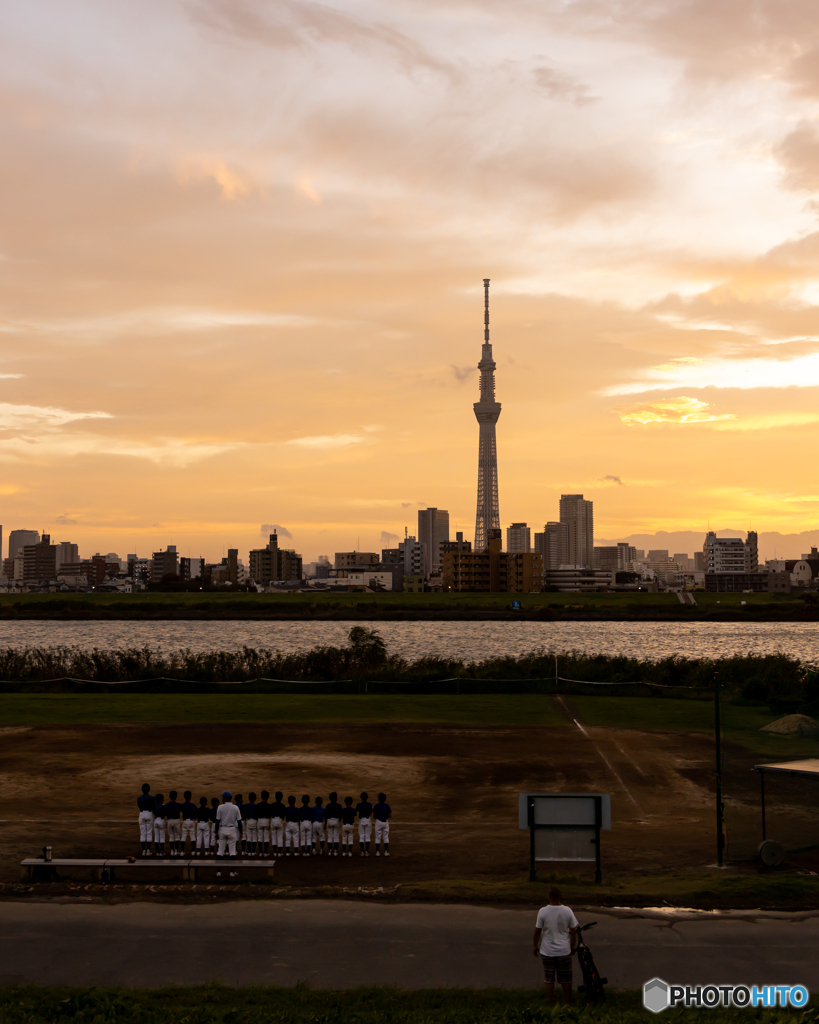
228, 817
555, 941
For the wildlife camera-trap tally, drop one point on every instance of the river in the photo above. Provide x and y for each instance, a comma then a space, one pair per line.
465, 641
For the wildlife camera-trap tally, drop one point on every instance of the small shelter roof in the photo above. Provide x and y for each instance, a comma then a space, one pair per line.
807, 766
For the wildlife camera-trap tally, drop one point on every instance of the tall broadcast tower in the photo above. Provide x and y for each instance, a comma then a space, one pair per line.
487, 411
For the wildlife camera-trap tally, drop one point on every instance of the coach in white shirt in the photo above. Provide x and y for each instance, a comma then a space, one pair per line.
228, 817
555, 941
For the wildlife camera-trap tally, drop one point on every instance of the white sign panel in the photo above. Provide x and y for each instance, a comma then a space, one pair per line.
564, 809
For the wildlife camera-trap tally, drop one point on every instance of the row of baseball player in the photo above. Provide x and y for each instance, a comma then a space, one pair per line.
262, 829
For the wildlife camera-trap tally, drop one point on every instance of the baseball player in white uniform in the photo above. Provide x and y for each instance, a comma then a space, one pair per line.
277, 819
318, 827
382, 813
291, 828
228, 817
188, 824
173, 811
202, 828
146, 804
364, 810
263, 824
332, 815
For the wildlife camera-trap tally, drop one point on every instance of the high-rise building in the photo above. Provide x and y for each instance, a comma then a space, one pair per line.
730, 554
657, 555
67, 554
38, 561
415, 556
685, 560
492, 570
487, 411
578, 515
272, 564
164, 563
553, 545
191, 568
518, 538
433, 530
19, 538
354, 559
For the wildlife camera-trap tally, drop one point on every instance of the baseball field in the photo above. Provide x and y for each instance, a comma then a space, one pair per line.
71, 767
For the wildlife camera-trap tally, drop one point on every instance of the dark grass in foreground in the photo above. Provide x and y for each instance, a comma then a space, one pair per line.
222, 1005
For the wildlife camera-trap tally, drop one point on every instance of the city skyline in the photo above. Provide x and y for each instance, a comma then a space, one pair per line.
229, 303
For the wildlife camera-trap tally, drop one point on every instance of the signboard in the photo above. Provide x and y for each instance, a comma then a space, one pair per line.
564, 809
564, 826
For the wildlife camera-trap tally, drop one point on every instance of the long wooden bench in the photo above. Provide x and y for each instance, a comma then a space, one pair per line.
189, 866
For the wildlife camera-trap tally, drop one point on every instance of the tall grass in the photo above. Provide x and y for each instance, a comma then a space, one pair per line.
776, 678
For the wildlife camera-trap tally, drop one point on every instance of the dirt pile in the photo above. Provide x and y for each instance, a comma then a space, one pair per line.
791, 725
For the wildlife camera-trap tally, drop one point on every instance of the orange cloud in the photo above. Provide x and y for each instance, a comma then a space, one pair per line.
677, 410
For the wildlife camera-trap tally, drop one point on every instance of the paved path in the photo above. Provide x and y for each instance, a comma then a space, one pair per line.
333, 944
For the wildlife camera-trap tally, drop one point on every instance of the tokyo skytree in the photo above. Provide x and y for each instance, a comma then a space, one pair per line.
487, 411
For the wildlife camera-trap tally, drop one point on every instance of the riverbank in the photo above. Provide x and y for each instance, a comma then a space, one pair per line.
148, 606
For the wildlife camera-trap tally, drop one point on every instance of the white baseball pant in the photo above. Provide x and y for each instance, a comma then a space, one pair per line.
213, 833
291, 834
189, 831
174, 830
228, 834
263, 825
306, 832
347, 835
146, 826
332, 830
251, 831
202, 835
365, 830
382, 832
318, 832
277, 833
159, 831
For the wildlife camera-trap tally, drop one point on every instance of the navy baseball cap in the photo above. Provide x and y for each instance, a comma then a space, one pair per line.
227, 795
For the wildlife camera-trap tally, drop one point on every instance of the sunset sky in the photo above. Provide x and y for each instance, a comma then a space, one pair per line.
242, 245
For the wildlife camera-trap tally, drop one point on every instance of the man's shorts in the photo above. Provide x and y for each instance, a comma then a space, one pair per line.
557, 965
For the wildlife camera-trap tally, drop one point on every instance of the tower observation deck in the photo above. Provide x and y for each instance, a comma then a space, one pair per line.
487, 411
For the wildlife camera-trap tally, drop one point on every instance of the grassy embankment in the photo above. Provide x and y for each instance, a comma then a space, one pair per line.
218, 1004
537, 607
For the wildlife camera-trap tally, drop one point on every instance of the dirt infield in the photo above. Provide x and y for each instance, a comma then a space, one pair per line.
453, 789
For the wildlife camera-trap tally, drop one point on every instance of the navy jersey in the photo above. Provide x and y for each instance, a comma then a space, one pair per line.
189, 811
318, 814
160, 810
305, 813
213, 817
278, 810
263, 809
250, 811
173, 809
347, 815
382, 812
203, 814
333, 810
146, 802
291, 813
364, 809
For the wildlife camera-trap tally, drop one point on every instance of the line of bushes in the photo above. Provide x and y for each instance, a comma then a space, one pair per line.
365, 663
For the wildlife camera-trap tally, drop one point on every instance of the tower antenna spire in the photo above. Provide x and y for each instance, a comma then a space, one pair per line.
487, 411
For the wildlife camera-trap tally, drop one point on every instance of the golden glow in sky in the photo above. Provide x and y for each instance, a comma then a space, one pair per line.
242, 245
